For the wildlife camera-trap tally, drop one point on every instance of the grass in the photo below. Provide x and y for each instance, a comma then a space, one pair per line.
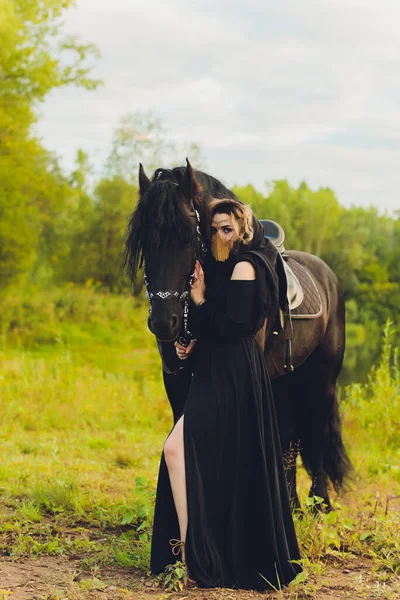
83, 418
366, 520
71, 433
82, 414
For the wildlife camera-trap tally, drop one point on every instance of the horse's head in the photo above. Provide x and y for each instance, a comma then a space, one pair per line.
163, 233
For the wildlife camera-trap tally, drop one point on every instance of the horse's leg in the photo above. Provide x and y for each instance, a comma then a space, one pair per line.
287, 431
290, 454
321, 444
177, 376
327, 463
309, 415
177, 387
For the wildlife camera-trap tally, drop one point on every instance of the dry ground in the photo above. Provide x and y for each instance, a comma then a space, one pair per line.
53, 578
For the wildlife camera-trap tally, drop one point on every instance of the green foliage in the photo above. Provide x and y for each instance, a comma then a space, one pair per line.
70, 315
38, 56
35, 58
116, 200
378, 403
365, 522
58, 407
174, 577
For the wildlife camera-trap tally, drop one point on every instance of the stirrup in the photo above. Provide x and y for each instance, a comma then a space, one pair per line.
177, 546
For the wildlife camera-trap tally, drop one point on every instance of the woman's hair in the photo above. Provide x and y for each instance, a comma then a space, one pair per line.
241, 213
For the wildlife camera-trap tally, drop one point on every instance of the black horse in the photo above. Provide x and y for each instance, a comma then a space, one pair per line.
166, 232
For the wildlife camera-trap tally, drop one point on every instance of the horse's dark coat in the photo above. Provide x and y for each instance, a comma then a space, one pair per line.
162, 229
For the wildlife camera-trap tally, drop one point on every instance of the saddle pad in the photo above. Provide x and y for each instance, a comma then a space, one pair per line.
311, 307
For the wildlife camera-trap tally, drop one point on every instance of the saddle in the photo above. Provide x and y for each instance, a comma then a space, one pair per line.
299, 294
274, 232
303, 297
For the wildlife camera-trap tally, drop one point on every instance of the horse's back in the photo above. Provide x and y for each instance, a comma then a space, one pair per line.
318, 269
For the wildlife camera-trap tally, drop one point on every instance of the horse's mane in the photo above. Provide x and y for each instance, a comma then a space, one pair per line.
160, 219
213, 187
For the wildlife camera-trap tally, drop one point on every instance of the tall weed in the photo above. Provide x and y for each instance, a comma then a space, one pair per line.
371, 414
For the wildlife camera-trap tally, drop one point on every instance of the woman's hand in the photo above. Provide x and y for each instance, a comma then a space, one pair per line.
198, 287
182, 351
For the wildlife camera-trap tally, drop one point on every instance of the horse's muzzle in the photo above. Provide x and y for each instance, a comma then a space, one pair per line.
166, 329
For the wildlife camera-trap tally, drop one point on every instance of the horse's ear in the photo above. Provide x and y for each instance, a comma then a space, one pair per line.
144, 181
189, 185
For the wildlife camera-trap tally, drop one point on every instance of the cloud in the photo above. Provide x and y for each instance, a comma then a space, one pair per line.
303, 90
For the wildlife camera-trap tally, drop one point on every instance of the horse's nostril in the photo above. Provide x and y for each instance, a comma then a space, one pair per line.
174, 320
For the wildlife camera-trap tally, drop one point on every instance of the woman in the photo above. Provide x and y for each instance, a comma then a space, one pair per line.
222, 500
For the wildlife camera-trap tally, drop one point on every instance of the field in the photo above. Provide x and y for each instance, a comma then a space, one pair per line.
83, 418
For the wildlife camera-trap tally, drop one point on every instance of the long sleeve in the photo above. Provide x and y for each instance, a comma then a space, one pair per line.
209, 321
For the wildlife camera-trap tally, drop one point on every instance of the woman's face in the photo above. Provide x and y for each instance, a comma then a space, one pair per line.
223, 235
222, 226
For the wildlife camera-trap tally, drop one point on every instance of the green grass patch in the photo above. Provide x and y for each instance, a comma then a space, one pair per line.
82, 421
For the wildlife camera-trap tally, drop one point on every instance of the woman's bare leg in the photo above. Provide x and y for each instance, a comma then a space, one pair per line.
175, 459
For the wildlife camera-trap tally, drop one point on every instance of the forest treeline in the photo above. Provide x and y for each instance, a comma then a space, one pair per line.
361, 245
58, 227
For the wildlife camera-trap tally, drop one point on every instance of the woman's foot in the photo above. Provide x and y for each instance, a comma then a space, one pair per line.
190, 583
179, 546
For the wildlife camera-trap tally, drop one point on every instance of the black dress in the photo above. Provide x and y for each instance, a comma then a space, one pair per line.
240, 529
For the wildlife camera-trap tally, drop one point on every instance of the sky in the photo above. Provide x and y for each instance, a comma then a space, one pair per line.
303, 90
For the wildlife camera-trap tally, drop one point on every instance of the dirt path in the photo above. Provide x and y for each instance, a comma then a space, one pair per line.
52, 578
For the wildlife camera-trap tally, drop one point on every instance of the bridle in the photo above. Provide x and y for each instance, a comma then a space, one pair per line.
185, 338
184, 297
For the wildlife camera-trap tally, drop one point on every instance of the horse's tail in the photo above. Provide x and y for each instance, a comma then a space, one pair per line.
321, 444
336, 461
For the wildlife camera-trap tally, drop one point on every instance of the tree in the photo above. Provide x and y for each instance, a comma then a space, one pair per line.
115, 199
140, 137
66, 233
309, 218
35, 57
